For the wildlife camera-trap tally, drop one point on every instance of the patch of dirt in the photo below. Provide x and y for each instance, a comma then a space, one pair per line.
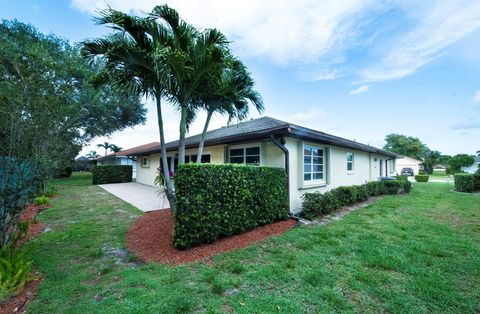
36, 227
151, 236
19, 303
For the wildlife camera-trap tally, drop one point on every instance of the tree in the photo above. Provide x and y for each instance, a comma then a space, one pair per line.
456, 163
52, 101
430, 160
106, 146
92, 155
115, 148
405, 145
135, 58
192, 57
229, 93
478, 152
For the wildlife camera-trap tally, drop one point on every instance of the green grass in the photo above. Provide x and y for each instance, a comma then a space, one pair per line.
415, 253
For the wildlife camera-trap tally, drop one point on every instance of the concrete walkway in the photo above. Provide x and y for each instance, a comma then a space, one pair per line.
144, 197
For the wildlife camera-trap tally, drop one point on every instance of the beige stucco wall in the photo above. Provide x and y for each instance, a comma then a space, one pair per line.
366, 168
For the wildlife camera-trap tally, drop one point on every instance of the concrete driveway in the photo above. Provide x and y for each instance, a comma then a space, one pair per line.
144, 197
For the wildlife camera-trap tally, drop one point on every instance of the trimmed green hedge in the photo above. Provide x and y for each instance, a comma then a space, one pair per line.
111, 174
316, 204
421, 178
476, 183
464, 182
216, 201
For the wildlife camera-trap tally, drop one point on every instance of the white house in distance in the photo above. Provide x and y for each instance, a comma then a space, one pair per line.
313, 160
407, 162
125, 157
474, 167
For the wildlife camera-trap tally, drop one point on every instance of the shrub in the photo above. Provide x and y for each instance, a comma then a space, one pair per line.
41, 200
15, 269
421, 171
51, 191
346, 195
317, 204
421, 178
362, 193
111, 174
216, 201
18, 183
374, 188
64, 173
464, 182
476, 181
391, 186
405, 184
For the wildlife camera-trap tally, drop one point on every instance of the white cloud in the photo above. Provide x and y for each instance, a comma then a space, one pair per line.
476, 97
361, 89
467, 124
439, 27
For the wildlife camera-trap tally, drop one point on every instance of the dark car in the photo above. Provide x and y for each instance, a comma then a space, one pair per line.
407, 172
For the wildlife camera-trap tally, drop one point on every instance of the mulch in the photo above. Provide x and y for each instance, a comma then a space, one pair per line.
150, 238
19, 303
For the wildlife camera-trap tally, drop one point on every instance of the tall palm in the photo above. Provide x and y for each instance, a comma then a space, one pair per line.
134, 56
191, 57
230, 93
106, 146
114, 148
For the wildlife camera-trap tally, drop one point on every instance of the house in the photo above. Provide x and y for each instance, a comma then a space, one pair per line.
313, 160
474, 167
125, 157
408, 162
83, 163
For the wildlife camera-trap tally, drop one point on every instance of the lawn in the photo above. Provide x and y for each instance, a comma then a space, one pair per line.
414, 253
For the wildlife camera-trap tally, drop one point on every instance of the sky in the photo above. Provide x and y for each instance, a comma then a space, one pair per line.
353, 68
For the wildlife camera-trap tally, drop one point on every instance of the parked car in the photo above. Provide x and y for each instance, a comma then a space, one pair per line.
407, 172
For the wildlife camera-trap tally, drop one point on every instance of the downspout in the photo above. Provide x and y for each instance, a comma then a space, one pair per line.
277, 143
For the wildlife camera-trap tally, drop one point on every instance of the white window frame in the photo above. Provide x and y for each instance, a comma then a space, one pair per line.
352, 162
244, 148
147, 164
312, 181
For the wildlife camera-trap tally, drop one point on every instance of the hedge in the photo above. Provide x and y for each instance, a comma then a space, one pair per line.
111, 174
316, 204
476, 183
216, 201
421, 178
464, 182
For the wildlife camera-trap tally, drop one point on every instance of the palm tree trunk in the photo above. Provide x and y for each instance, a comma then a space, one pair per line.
204, 134
166, 174
183, 130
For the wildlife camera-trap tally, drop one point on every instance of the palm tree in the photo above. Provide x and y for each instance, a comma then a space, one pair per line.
106, 146
92, 155
230, 93
191, 57
478, 152
114, 148
135, 59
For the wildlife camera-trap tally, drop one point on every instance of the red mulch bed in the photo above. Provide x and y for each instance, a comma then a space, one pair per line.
29, 214
150, 237
19, 303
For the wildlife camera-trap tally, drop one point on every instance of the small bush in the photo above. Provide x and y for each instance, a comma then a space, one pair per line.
15, 270
421, 178
41, 200
362, 193
317, 204
51, 191
421, 172
476, 181
405, 184
347, 195
111, 174
464, 182
391, 186
374, 188
216, 201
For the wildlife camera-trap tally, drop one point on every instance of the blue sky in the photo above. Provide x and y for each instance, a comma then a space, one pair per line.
356, 69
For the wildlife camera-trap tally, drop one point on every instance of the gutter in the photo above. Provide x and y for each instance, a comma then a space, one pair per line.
277, 143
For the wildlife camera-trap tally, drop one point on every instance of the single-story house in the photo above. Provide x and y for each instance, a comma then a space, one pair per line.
83, 163
474, 167
125, 157
313, 160
408, 162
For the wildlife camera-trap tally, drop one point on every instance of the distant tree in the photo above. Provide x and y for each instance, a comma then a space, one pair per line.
405, 145
478, 153
114, 148
52, 101
92, 155
107, 146
430, 160
455, 164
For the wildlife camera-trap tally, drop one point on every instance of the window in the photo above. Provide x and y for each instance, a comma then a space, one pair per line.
248, 155
193, 158
350, 162
313, 164
145, 162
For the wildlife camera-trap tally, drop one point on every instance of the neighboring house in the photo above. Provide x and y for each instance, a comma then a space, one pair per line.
474, 167
314, 161
407, 162
83, 163
125, 157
